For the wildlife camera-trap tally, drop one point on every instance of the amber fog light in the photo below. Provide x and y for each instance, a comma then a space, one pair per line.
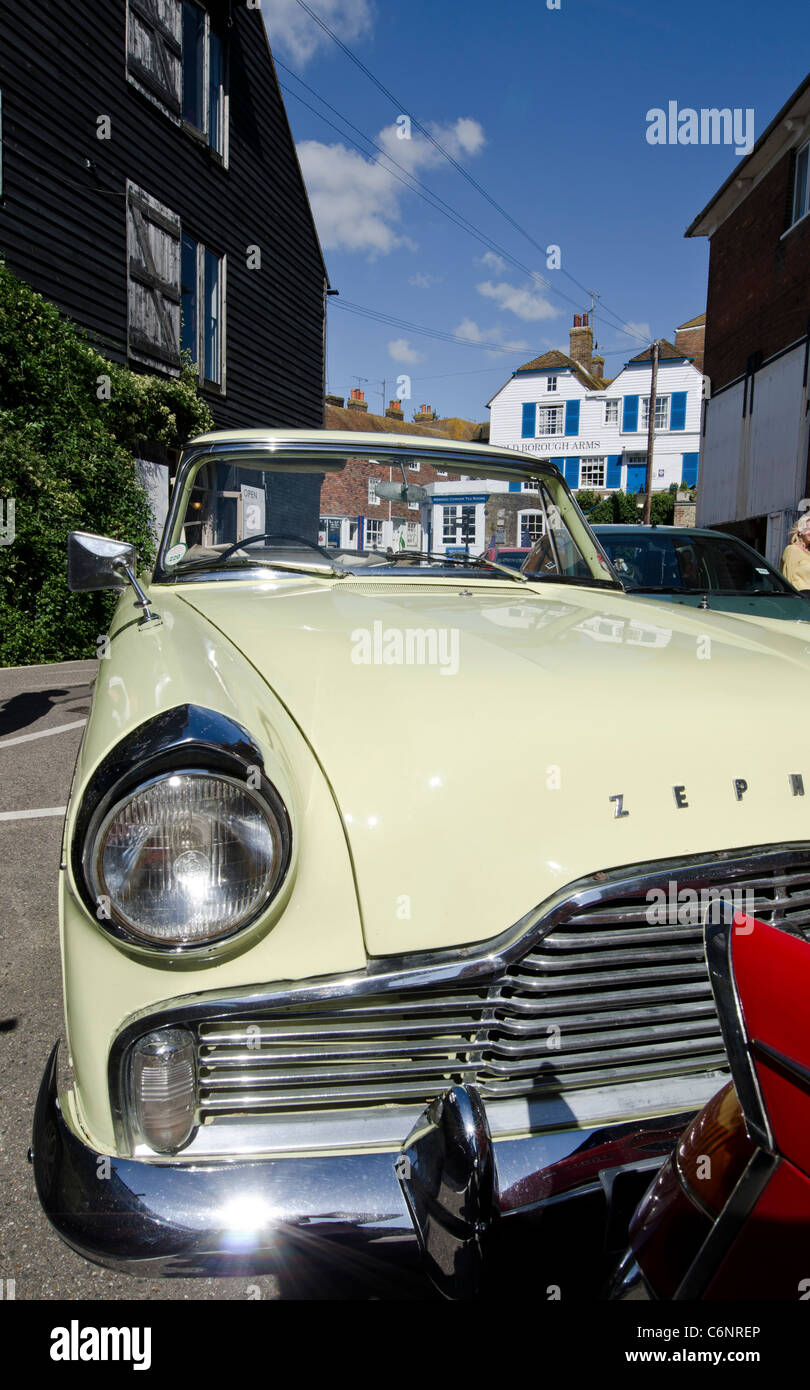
164, 1088
714, 1151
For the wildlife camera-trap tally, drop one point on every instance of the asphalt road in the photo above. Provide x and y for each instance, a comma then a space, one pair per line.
35, 771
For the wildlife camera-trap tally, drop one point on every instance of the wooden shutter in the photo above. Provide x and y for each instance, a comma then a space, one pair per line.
572, 417
153, 281
572, 470
677, 411
630, 415
155, 50
528, 424
614, 471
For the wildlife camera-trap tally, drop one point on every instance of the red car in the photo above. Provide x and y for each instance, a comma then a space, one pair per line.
511, 555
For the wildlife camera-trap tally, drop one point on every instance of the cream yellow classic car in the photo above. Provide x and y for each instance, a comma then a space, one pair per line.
355, 829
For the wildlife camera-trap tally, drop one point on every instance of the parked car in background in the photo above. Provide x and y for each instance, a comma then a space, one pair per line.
703, 569
511, 555
290, 921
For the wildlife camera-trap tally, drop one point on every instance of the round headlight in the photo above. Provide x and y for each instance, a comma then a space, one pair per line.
185, 859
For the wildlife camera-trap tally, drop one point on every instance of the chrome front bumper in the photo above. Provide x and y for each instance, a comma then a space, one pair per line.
344, 1214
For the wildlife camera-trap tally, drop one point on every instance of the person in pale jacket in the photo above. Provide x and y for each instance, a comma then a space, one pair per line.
796, 559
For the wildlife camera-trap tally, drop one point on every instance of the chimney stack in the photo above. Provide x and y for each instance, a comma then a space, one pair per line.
357, 400
395, 411
335, 400
581, 343
425, 412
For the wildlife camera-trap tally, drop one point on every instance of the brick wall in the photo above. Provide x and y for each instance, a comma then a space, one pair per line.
346, 493
759, 284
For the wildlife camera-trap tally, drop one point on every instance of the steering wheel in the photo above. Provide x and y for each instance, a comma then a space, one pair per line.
274, 536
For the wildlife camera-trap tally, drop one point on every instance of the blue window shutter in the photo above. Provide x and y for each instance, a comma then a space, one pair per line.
529, 426
613, 477
689, 470
572, 419
515, 487
572, 467
677, 411
630, 414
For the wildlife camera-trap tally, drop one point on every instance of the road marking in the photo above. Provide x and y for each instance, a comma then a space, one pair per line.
32, 815
44, 733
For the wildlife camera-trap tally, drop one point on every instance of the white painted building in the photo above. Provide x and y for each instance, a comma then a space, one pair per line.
560, 408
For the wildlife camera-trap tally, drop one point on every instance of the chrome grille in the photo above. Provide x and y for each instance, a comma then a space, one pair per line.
603, 999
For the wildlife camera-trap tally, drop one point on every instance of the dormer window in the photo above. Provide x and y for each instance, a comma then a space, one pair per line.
551, 383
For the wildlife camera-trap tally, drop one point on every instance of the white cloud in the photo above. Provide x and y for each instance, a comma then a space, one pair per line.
470, 330
401, 351
356, 202
299, 37
424, 282
494, 261
523, 301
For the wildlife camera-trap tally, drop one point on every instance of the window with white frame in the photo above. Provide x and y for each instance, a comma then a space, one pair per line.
530, 527
373, 499
441, 472
801, 184
414, 467
612, 412
411, 534
459, 525
203, 76
374, 533
550, 419
529, 485
592, 472
202, 290
661, 413
413, 506
551, 383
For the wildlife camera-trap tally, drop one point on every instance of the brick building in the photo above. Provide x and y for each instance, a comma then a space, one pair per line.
755, 451
353, 516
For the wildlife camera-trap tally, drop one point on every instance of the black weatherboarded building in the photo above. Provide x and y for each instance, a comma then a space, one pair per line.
151, 189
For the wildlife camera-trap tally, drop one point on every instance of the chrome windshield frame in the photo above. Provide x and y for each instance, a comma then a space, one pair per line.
392, 449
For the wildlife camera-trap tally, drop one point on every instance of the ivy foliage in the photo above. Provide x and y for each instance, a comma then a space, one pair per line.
70, 424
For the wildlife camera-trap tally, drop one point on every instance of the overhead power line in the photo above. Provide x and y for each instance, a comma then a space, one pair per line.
465, 173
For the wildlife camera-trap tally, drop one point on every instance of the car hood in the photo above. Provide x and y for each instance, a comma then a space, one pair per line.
520, 737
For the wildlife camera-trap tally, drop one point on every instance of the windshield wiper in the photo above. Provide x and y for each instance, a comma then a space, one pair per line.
470, 560
216, 562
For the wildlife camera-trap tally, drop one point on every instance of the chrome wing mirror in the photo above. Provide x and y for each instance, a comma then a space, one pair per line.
96, 562
446, 1170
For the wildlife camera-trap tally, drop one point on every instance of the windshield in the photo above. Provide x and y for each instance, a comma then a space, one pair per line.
654, 560
363, 512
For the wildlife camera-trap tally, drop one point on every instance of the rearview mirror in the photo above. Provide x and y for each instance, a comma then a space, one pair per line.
96, 562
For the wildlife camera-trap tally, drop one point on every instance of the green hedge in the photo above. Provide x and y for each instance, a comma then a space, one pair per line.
70, 423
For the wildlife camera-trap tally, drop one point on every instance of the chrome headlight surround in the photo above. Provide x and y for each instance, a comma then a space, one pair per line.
185, 741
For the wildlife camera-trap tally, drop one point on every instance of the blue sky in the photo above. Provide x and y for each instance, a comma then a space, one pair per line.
547, 110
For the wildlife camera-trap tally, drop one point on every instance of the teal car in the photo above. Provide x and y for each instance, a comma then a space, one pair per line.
703, 569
